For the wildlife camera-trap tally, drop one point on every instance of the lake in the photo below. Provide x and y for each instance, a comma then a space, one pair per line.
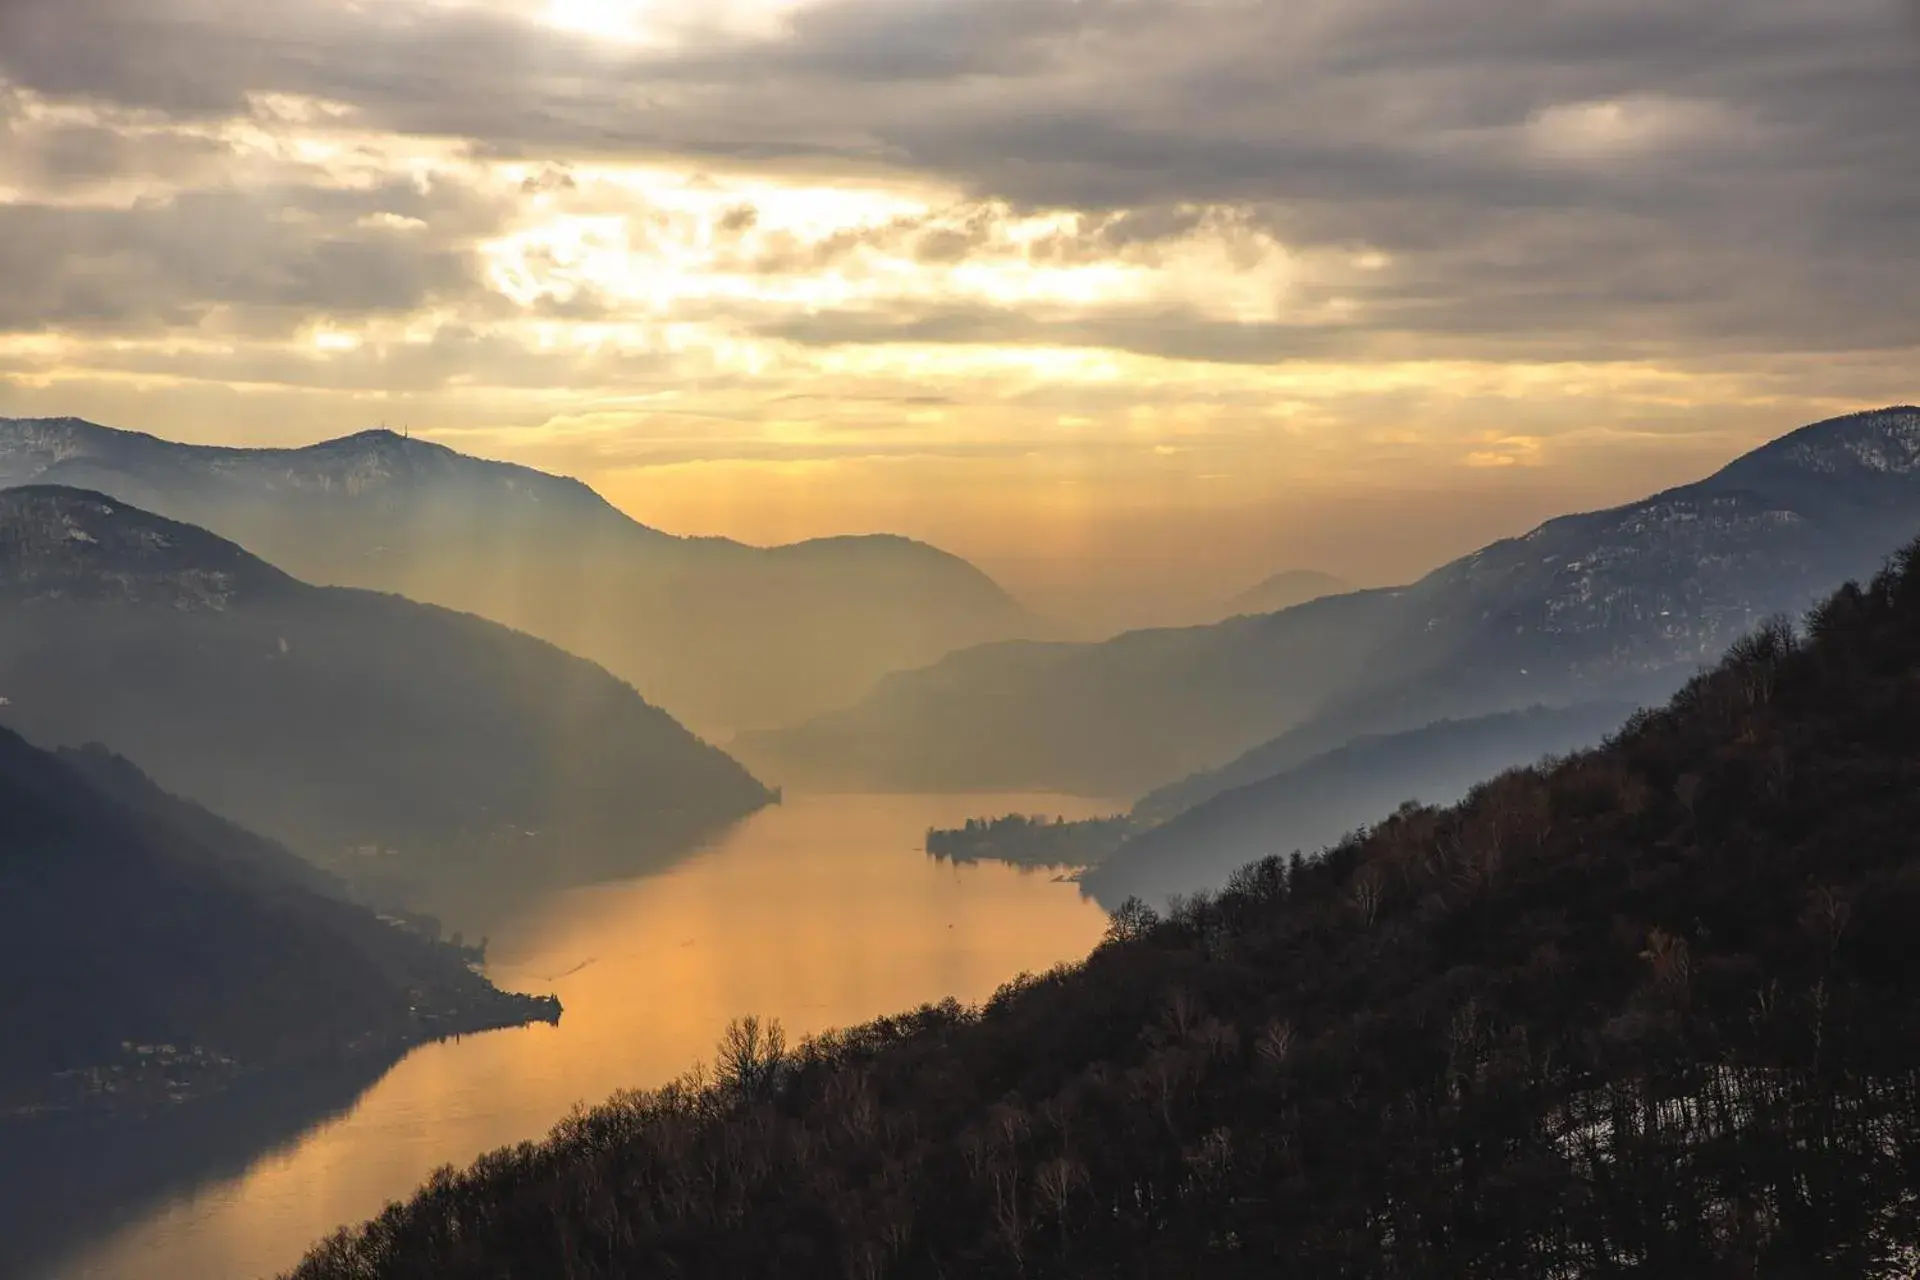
822, 912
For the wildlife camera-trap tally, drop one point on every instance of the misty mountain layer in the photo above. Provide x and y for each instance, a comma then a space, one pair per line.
1612, 605
154, 950
723, 634
331, 718
1315, 803
1284, 590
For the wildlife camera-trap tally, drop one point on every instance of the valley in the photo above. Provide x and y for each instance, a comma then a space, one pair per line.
365, 812
959, 640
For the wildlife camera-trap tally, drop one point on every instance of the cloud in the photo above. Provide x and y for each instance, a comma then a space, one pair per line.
1684, 172
178, 263
1506, 451
112, 220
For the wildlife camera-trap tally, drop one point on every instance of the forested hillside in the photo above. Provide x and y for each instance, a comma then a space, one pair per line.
1650, 1012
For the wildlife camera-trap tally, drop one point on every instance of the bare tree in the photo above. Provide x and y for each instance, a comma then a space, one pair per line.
752, 1057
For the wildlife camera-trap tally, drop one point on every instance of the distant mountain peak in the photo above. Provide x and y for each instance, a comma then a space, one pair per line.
1285, 589
380, 434
378, 441
49, 441
1877, 441
74, 544
691, 620
362, 464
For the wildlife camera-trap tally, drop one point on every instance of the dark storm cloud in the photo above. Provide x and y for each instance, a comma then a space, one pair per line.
1755, 185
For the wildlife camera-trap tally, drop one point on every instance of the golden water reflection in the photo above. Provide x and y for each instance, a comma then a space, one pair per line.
821, 912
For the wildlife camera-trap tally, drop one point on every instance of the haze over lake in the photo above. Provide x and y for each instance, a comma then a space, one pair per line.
959, 640
822, 912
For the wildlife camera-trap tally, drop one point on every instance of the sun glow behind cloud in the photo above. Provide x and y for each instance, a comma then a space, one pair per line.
654, 238
1091, 257
660, 24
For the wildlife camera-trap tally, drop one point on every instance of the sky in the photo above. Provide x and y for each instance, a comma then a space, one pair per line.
1130, 301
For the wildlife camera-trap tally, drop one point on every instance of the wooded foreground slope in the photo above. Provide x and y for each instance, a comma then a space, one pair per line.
1650, 1011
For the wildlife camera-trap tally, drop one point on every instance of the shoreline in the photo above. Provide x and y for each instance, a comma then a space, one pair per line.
171, 1077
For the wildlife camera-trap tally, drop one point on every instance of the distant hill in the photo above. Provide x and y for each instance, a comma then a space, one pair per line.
1315, 803
157, 952
1103, 719
1284, 590
335, 719
1612, 605
1648, 1012
723, 634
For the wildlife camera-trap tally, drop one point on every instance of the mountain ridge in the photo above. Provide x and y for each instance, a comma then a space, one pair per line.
358, 462
334, 718
688, 620
1285, 589
1621, 603
62, 542
1313, 804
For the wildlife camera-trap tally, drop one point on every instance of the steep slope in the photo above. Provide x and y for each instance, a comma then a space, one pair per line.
1284, 590
1103, 719
1648, 1012
242, 855
156, 952
1611, 605
1634, 597
332, 718
723, 634
1315, 803
1256, 764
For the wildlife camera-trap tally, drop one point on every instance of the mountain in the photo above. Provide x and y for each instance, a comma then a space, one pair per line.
158, 952
1101, 719
1315, 803
1284, 590
335, 719
725, 635
1612, 605
1649, 1011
